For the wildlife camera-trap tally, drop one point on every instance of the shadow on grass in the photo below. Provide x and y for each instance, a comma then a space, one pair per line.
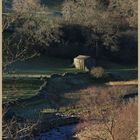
53, 93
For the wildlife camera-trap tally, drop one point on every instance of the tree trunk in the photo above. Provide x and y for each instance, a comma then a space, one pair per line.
96, 52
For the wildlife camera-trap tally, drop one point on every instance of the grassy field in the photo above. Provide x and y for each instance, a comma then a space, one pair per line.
48, 65
109, 101
71, 96
20, 88
42, 65
25, 78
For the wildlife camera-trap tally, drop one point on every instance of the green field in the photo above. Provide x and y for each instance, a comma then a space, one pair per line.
24, 78
42, 65
20, 88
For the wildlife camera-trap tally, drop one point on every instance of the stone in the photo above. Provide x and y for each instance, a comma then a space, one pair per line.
83, 62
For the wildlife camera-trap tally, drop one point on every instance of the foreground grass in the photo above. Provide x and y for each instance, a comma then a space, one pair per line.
69, 103
25, 81
25, 78
20, 88
72, 97
81, 103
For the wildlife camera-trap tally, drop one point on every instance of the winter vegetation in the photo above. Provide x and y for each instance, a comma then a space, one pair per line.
44, 95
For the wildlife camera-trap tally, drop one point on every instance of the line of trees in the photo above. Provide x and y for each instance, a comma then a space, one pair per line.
100, 24
25, 29
105, 19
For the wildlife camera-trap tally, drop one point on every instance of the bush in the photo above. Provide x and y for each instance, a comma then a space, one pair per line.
97, 72
106, 117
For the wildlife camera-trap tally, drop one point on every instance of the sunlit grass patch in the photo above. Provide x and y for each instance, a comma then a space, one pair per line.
131, 82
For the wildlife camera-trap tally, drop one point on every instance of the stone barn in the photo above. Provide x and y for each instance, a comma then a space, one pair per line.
83, 62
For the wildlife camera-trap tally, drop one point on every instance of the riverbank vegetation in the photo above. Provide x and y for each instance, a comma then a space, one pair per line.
42, 87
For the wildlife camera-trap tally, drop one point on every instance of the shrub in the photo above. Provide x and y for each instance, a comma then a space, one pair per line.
97, 72
115, 121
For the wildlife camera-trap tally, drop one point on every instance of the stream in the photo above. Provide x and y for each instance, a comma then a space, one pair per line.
65, 132
60, 133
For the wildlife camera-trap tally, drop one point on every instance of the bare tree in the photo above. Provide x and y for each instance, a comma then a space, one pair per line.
106, 118
16, 130
105, 23
128, 10
32, 28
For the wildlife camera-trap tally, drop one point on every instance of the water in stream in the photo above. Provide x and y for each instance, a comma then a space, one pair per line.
60, 133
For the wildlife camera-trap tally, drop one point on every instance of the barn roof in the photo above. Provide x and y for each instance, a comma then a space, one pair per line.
82, 57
